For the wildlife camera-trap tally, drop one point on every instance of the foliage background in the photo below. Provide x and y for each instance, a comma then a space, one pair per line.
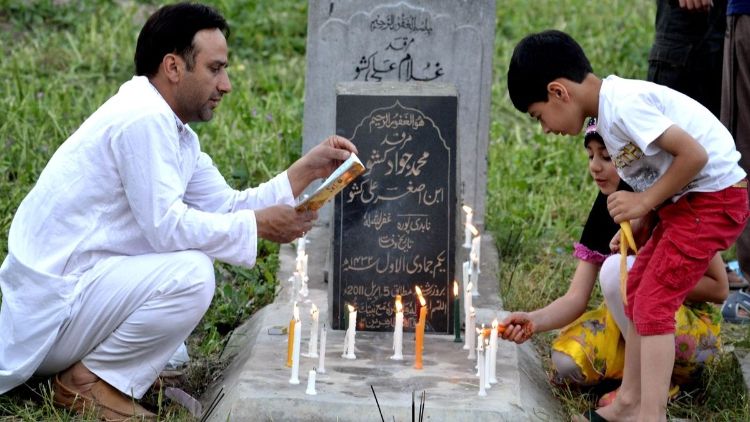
61, 59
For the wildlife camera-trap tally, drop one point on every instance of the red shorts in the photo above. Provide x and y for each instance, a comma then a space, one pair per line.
671, 263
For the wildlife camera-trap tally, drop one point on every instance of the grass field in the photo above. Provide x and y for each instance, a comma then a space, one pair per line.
62, 59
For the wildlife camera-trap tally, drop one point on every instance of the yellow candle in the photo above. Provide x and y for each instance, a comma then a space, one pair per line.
290, 338
420, 331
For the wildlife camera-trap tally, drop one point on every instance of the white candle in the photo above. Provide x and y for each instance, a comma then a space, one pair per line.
467, 225
350, 333
470, 325
312, 350
475, 253
479, 341
480, 363
487, 364
466, 280
398, 332
311, 383
322, 355
304, 267
301, 245
295, 352
474, 280
469, 309
493, 352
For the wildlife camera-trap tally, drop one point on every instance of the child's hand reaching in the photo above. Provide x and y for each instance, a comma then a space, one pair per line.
518, 327
624, 205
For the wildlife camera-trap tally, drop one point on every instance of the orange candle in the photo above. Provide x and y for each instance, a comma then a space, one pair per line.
420, 331
290, 338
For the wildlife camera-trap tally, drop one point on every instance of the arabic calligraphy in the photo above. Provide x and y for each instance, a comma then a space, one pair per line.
396, 22
397, 232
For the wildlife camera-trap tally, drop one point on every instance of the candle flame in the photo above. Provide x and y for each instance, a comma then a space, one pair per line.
469, 286
399, 306
471, 309
351, 308
494, 324
314, 309
473, 229
422, 301
467, 209
418, 290
455, 288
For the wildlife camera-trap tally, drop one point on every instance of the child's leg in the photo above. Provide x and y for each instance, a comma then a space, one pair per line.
626, 404
657, 360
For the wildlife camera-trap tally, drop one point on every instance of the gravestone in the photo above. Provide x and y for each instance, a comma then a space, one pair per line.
394, 226
448, 41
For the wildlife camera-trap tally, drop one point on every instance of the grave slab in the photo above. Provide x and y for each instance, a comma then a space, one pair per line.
255, 386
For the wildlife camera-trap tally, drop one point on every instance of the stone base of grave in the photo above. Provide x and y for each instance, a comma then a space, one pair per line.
255, 386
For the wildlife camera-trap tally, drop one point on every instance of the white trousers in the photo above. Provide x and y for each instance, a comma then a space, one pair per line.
609, 279
130, 316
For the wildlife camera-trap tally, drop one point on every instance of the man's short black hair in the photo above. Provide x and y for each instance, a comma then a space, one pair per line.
171, 29
539, 59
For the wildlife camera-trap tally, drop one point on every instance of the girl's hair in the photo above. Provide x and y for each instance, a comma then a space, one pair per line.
170, 30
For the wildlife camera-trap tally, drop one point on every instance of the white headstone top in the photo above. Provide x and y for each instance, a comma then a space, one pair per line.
413, 41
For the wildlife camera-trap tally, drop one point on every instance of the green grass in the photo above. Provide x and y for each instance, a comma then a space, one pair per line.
62, 59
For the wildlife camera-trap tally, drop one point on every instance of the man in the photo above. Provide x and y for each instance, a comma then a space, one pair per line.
110, 262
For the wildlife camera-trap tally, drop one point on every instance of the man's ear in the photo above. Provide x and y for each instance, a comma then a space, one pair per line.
172, 65
558, 90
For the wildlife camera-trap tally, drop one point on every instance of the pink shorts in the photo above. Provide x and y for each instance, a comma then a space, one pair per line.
671, 263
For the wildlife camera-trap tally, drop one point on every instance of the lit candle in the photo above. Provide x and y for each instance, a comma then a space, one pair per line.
322, 355
474, 258
467, 225
480, 342
476, 243
312, 350
311, 383
487, 363
468, 308
493, 352
420, 330
456, 314
290, 337
301, 245
350, 332
470, 325
294, 379
480, 362
466, 272
398, 331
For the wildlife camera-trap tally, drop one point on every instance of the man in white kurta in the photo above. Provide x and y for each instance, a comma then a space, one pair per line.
110, 261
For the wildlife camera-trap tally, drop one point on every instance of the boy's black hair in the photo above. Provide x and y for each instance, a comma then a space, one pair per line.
539, 59
171, 29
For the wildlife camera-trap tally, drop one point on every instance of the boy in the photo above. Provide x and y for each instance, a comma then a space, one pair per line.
681, 162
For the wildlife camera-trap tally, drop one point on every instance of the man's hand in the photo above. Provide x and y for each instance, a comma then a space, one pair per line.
696, 5
282, 224
518, 327
319, 162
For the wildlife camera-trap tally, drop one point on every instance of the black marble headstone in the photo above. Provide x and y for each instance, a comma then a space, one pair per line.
394, 227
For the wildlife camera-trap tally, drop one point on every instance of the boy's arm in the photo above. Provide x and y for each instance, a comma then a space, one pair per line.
689, 159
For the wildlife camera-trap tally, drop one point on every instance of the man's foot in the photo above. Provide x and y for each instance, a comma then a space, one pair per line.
81, 390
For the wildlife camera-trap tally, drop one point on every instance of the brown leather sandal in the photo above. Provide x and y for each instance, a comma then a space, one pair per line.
103, 400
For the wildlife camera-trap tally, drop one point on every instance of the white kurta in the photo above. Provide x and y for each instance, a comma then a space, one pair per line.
130, 181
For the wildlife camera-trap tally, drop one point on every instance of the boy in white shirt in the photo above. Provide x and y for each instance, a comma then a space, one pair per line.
681, 162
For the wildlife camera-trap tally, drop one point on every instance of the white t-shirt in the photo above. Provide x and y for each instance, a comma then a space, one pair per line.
633, 114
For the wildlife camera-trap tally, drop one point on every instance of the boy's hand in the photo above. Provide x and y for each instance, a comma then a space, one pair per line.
624, 205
